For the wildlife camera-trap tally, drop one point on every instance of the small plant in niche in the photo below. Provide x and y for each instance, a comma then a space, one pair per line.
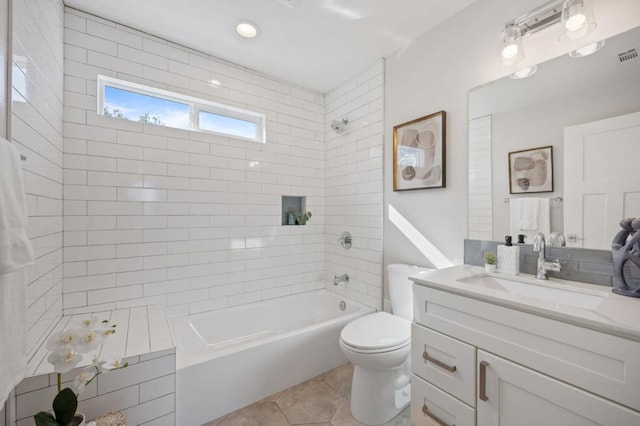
65, 349
302, 218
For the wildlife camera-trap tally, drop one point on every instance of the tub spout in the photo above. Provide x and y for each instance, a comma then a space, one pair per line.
342, 278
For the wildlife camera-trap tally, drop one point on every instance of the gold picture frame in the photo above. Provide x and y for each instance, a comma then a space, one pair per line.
419, 153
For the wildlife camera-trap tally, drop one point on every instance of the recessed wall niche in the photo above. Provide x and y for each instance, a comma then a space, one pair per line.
292, 205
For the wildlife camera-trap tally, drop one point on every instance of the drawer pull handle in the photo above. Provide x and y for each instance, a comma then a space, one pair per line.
483, 381
440, 364
433, 417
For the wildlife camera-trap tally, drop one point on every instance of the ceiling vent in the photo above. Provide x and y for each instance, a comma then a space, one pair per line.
290, 3
628, 55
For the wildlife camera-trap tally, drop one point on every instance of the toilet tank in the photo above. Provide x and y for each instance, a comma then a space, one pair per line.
400, 289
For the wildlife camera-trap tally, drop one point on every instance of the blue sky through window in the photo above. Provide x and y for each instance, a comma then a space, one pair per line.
133, 105
140, 103
227, 125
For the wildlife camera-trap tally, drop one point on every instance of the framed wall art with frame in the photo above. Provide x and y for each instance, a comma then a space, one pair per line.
419, 153
531, 170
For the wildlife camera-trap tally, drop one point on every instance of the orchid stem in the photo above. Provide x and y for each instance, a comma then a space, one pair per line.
98, 372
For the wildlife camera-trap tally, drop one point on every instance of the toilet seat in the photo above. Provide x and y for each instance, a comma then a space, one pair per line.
376, 333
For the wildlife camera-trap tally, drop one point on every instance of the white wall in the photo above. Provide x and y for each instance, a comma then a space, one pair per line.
435, 73
36, 129
353, 185
185, 219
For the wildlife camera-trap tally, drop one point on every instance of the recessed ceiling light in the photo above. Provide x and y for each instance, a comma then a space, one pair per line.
587, 50
524, 72
247, 29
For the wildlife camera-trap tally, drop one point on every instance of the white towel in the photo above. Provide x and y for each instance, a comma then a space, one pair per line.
529, 216
16, 250
13, 333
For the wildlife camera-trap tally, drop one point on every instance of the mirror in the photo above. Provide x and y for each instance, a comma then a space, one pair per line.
563, 99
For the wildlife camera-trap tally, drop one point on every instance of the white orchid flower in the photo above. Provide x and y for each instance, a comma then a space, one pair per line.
88, 340
90, 322
105, 328
61, 340
80, 382
64, 360
113, 363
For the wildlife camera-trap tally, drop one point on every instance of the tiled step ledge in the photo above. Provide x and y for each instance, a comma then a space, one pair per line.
140, 331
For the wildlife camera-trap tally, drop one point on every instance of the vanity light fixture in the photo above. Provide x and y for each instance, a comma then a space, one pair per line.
511, 50
587, 50
524, 72
577, 19
247, 29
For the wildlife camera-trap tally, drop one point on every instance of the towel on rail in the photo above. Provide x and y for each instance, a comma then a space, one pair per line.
16, 252
529, 216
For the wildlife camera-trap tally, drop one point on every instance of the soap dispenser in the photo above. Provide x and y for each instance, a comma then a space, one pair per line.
508, 258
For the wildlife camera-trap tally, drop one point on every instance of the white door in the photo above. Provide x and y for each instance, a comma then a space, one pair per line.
601, 179
512, 395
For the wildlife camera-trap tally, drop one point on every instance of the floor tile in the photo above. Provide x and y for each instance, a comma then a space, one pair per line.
343, 415
340, 379
259, 414
310, 402
321, 401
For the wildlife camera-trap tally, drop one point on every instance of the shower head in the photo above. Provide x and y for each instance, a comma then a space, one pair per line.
339, 126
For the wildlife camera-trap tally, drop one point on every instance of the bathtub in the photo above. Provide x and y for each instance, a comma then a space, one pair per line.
230, 358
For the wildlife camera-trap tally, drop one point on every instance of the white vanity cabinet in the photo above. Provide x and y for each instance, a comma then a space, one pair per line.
478, 363
510, 394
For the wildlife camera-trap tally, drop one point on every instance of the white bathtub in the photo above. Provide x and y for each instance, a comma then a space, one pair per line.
230, 358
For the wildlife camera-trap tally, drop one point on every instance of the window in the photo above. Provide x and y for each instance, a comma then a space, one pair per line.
135, 102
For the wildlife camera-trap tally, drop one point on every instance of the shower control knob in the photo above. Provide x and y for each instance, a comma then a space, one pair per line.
345, 240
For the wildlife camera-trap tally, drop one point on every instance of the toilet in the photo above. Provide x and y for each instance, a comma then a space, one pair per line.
379, 346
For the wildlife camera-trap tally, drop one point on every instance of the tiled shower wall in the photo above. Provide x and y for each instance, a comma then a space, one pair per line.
480, 193
185, 219
36, 129
354, 185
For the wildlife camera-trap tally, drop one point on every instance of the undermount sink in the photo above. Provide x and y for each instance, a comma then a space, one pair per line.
548, 291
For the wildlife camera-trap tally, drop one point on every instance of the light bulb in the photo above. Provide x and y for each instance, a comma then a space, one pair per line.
575, 22
577, 19
510, 51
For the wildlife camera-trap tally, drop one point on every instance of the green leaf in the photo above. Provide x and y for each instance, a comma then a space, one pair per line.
65, 405
45, 419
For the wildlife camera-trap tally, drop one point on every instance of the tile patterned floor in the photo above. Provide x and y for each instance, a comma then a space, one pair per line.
321, 401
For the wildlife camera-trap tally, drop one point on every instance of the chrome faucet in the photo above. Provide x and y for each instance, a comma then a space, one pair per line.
342, 278
544, 265
556, 239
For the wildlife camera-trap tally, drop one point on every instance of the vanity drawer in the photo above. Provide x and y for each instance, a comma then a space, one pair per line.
430, 406
600, 363
444, 362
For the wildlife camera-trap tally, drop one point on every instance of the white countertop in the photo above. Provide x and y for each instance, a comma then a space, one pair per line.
615, 314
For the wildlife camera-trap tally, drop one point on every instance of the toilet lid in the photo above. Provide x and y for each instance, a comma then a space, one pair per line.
377, 331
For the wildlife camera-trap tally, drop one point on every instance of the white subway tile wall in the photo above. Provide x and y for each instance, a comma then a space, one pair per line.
480, 192
156, 215
353, 185
36, 129
144, 392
